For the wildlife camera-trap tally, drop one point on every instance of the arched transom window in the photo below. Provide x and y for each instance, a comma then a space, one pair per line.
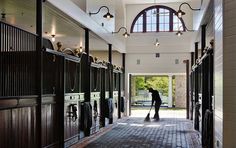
157, 19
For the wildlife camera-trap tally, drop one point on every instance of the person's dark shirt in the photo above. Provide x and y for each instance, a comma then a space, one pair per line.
156, 97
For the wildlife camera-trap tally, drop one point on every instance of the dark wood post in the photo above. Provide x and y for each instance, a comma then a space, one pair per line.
123, 65
87, 87
203, 39
39, 27
196, 52
110, 71
187, 87
192, 59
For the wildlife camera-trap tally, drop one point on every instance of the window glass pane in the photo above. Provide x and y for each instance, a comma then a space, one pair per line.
167, 19
161, 19
177, 24
167, 27
140, 28
161, 27
154, 27
154, 19
175, 18
167, 12
149, 27
161, 11
175, 27
149, 20
135, 29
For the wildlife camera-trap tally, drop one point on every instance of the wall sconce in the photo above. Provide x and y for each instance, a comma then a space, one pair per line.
126, 34
157, 43
179, 32
180, 13
3, 18
53, 37
80, 49
108, 15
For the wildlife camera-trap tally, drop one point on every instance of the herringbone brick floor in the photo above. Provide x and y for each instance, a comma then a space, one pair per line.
172, 131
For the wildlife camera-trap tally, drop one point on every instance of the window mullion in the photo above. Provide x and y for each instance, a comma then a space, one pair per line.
157, 19
144, 21
171, 21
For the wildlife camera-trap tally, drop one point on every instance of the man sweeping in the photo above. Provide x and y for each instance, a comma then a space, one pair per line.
157, 99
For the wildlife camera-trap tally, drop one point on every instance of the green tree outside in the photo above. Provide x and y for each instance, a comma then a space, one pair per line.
159, 83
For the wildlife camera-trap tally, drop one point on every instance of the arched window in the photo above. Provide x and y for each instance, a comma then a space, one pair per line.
157, 19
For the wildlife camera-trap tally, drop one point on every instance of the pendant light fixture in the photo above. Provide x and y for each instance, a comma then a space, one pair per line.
157, 43
108, 15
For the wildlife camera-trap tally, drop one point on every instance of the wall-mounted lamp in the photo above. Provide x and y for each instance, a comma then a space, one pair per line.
180, 13
157, 43
3, 16
126, 34
179, 32
108, 15
53, 37
80, 49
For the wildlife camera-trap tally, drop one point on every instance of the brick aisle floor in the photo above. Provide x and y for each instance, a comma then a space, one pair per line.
172, 131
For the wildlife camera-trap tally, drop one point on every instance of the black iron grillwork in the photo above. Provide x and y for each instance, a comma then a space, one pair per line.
17, 61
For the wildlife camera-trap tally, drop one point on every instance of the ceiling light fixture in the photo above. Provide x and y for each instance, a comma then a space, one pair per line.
53, 37
108, 15
180, 13
157, 43
126, 34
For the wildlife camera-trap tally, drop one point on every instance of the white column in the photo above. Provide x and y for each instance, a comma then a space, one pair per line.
170, 99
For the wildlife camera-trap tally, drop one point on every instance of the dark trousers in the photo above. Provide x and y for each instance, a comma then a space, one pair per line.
157, 107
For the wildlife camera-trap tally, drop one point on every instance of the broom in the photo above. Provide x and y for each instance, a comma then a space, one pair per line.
147, 119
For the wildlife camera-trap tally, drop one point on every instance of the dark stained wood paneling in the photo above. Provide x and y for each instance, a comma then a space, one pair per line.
71, 126
50, 122
18, 127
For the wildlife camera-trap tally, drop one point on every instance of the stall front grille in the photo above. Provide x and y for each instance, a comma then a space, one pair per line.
17, 61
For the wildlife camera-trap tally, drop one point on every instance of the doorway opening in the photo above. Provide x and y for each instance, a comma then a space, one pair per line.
172, 90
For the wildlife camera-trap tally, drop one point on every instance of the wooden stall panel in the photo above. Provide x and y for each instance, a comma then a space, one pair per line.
71, 120
50, 124
18, 128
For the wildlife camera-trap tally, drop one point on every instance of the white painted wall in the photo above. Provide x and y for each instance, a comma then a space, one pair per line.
150, 64
81, 4
198, 15
218, 73
169, 42
229, 73
103, 55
